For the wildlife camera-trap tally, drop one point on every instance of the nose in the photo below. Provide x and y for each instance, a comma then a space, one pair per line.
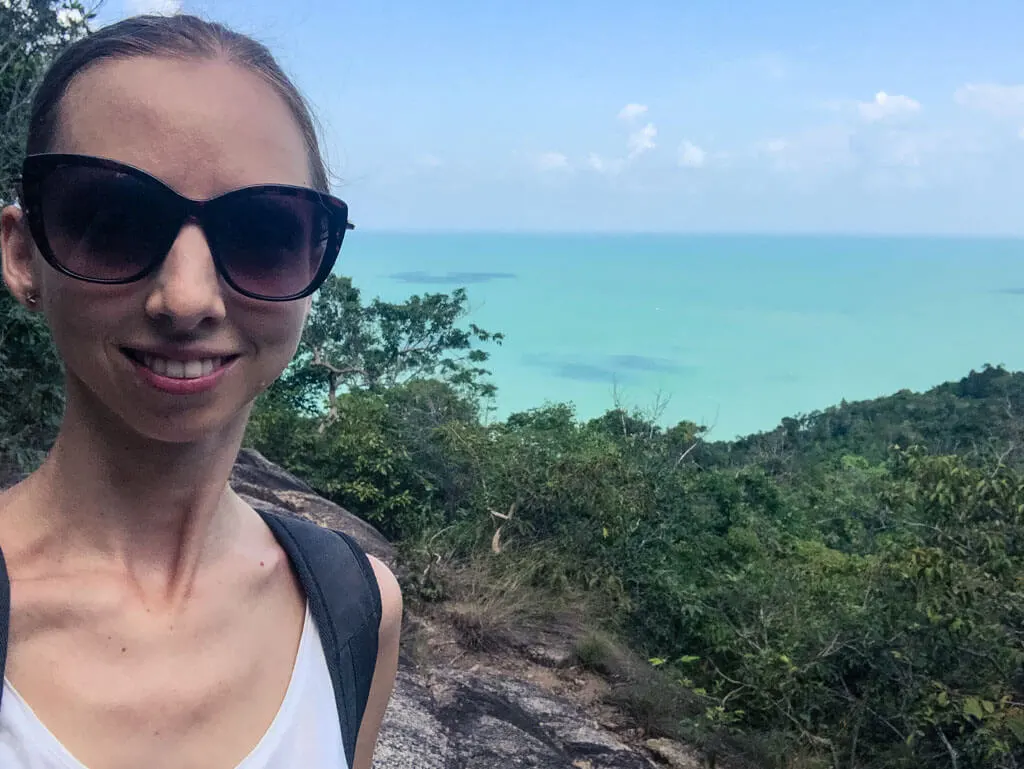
185, 294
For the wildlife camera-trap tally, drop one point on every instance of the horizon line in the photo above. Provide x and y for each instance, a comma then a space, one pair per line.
693, 233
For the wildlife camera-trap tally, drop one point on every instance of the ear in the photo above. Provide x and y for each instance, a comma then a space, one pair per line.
17, 251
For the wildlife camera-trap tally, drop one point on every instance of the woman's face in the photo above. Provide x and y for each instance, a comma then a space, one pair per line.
204, 128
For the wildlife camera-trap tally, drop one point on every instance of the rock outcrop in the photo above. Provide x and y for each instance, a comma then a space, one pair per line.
263, 484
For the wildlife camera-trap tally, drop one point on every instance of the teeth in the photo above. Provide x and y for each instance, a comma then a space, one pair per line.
159, 365
178, 369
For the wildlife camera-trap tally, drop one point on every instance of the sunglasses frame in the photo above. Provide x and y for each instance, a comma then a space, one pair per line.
36, 168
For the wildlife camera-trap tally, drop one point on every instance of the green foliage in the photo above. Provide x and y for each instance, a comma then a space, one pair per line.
359, 412
32, 32
31, 390
830, 608
347, 346
979, 417
358, 460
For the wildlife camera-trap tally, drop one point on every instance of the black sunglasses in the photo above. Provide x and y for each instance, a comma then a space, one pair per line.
106, 222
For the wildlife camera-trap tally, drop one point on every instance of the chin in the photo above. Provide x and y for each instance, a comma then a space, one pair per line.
190, 429
129, 417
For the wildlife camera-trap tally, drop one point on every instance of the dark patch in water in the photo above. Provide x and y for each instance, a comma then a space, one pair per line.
604, 369
644, 363
1018, 291
450, 278
584, 372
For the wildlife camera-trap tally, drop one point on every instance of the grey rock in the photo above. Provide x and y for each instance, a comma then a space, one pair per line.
266, 486
254, 469
457, 719
676, 755
555, 656
411, 735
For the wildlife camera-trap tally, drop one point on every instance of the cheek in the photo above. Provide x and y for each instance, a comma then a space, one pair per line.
277, 336
276, 340
80, 320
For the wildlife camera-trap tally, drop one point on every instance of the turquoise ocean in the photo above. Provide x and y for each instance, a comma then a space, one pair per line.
736, 332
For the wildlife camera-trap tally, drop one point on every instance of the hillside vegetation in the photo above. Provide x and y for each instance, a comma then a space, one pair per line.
844, 591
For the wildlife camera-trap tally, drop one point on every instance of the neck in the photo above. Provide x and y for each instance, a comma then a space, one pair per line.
154, 510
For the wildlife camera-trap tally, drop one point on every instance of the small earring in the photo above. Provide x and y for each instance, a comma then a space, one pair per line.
32, 298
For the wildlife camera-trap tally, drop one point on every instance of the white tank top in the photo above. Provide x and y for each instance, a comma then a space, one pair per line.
305, 733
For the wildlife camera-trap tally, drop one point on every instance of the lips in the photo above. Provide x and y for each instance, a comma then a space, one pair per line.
184, 374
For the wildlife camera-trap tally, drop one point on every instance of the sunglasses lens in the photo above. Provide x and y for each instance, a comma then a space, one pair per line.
105, 225
269, 243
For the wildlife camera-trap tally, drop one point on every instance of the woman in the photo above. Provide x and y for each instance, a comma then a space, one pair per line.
155, 620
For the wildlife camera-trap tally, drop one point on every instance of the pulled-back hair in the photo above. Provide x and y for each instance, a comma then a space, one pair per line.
180, 36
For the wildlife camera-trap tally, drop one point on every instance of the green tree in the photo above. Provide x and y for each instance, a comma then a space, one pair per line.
349, 346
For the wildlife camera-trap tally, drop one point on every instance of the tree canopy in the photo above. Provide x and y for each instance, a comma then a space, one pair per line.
348, 346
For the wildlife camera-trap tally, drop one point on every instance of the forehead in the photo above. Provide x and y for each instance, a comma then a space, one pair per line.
202, 126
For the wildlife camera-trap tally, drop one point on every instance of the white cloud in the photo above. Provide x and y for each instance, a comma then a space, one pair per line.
639, 141
632, 111
603, 165
896, 149
814, 151
900, 155
552, 161
642, 140
162, 7
993, 98
887, 106
773, 146
690, 155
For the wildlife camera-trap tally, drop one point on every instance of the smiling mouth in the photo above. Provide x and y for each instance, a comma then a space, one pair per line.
178, 369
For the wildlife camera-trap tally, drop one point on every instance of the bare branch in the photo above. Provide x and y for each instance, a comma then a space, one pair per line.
949, 748
682, 456
318, 360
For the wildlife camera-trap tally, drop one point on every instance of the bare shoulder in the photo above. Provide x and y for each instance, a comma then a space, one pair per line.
386, 668
390, 595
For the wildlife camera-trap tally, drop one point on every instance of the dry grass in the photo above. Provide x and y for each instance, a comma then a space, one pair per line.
415, 642
657, 705
599, 650
648, 696
494, 604
495, 609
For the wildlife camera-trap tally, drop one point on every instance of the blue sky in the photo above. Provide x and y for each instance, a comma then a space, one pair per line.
658, 115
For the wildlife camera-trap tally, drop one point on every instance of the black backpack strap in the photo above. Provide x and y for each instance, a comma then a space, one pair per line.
5, 619
344, 599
